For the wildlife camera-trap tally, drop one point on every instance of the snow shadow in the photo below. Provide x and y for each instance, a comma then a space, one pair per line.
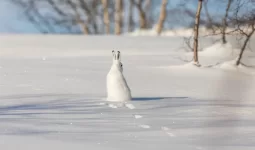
47, 104
155, 98
48, 110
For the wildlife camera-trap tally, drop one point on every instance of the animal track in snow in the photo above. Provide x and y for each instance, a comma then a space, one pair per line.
138, 116
112, 106
102, 103
170, 134
130, 106
144, 126
117, 105
167, 131
165, 128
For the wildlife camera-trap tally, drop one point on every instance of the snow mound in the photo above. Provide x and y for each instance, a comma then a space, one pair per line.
190, 65
231, 66
218, 50
153, 32
184, 32
143, 32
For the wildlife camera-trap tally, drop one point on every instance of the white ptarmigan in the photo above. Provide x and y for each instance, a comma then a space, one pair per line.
117, 87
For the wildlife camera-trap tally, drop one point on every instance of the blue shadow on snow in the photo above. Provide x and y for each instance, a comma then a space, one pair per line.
155, 98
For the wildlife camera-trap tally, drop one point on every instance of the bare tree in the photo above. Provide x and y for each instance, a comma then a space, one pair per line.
149, 13
83, 25
245, 21
130, 16
118, 16
196, 32
247, 39
33, 15
90, 12
55, 16
142, 14
162, 17
224, 22
106, 16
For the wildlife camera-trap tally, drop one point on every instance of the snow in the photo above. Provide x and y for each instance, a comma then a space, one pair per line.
188, 66
218, 50
16, 142
231, 66
53, 96
184, 32
214, 53
153, 32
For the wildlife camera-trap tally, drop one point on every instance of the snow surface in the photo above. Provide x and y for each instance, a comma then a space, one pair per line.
53, 96
231, 66
218, 50
185, 32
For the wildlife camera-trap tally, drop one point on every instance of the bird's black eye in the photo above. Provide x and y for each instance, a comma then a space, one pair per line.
121, 65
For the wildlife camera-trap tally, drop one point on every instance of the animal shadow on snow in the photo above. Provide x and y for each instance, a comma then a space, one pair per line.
155, 98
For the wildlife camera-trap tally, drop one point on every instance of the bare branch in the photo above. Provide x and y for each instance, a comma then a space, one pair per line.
142, 15
224, 24
118, 16
196, 31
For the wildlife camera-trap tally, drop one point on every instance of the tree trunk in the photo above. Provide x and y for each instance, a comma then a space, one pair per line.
90, 13
118, 16
148, 11
224, 22
162, 17
244, 45
130, 16
94, 15
196, 31
143, 23
142, 15
84, 28
106, 16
